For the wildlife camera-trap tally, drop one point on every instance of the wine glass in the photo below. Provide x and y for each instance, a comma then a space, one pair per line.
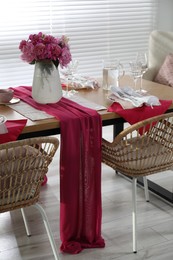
69, 73
141, 58
135, 71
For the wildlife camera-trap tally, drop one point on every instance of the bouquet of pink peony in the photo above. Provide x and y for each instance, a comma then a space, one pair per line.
40, 47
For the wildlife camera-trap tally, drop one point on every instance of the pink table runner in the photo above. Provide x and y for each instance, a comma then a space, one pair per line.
80, 172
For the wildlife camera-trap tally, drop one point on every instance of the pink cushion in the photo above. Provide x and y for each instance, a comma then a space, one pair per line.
165, 74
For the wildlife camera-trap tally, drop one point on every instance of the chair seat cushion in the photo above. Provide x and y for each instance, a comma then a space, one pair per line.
19, 158
165, 73
21, 167
137, 156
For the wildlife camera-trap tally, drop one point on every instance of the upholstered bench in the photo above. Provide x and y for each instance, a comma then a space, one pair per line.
160, 57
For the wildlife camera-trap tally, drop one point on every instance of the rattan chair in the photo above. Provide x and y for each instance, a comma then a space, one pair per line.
23, 165
142, 149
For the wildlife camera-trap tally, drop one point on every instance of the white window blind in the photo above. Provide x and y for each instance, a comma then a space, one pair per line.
97, 29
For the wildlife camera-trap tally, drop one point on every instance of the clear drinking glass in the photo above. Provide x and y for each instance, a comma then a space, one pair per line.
69, 73
135, 71
112, 70
141, 58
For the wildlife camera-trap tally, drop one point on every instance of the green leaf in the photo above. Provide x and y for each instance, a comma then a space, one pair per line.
32, 62
56, 63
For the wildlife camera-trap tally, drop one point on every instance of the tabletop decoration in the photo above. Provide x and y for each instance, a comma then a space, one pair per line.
137, 114
80, 172
14, 129
128, 98
47, 53
80, 82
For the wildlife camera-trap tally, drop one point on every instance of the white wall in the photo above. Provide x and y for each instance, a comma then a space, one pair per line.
165, 22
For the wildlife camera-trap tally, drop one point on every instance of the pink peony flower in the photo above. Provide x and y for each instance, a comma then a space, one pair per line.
41, 47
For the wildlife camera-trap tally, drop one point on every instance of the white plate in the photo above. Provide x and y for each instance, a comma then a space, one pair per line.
12, 101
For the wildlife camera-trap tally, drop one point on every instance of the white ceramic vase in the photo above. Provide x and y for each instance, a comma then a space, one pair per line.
46, 87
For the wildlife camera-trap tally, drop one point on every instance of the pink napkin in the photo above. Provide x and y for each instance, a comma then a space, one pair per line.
80, 172
14, 127
137, 114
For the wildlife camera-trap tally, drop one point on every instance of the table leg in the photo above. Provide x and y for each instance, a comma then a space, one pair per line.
117, 128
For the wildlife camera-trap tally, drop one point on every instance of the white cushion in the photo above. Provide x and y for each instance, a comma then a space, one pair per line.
160, 45
165, 73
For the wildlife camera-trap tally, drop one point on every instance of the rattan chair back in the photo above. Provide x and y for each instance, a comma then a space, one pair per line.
143, 148
23, 165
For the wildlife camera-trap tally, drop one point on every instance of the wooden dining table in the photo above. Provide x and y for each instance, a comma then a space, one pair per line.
99, 96
53, 126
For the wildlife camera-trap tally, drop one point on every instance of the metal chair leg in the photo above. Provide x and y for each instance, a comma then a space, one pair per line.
48, 229
146, 189
26, 223
134, 221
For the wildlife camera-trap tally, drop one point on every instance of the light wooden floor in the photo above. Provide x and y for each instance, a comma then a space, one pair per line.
155, 224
